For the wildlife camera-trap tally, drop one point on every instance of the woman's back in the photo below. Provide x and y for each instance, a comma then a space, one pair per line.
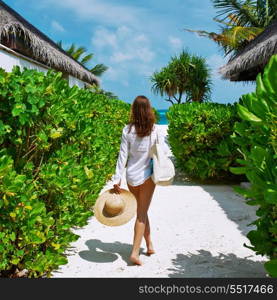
139, 161
135, 151
139, 146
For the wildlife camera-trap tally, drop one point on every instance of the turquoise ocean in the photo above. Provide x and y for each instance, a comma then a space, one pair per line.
163, 119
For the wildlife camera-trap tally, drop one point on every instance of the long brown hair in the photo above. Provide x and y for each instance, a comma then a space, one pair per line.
142, 116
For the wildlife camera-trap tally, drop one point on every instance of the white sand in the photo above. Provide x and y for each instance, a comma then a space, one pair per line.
198, 231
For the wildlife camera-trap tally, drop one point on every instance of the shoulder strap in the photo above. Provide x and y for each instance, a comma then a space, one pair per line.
157, 136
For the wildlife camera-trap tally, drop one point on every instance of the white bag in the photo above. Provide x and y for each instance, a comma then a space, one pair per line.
163, 168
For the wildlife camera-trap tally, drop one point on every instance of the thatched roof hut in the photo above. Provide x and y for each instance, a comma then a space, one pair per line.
18, 34
247, 64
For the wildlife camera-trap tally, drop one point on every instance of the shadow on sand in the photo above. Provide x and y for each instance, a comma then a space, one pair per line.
235, 207
100, 252
233, 204
204, 264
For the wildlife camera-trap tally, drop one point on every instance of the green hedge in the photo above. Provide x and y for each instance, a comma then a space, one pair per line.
199, 136
157, 115
256, 137
59, 146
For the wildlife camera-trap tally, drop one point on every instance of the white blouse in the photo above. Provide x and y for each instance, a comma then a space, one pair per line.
134, 151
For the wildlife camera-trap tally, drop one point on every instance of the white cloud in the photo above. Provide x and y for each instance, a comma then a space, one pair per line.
57, 26
126, 38
215, 62
125, 83
100, 10
111, 74
117, 75
145, 54
118, 57
104, 38
145, 70
126, 51
175, 43
123, 44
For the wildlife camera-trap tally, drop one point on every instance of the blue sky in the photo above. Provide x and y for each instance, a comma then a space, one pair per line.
134, 39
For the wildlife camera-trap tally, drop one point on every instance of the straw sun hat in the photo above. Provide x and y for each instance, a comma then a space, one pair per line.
115, 209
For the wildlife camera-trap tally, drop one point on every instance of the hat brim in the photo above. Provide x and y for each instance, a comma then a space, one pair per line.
123, 218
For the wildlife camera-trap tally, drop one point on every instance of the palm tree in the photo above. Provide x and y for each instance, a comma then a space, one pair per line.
164, 83
79, 54
200, 82
240, 22
186, 76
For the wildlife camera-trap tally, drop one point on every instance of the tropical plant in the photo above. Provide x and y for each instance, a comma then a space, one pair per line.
200, 80
256, 138
200, 139
59, 146
98, 90
79, 54
157, 115
186, 76
240, 22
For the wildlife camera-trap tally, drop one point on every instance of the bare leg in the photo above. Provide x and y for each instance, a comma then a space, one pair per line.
135, 191
145, 193
147, 237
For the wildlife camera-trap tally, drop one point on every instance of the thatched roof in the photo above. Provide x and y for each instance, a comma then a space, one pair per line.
39, 46
246, 65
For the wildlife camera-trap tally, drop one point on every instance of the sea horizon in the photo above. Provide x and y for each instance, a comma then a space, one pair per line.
163, 120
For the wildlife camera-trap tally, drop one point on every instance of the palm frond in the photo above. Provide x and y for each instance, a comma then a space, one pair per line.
71, 49
236, 38
86, 59
79, 52
211, 35
60, 44
245, 11
99, 69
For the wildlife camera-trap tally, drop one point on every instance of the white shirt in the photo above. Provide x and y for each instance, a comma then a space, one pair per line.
134, 151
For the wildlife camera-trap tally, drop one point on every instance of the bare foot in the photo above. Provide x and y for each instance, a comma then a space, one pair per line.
135, 260
150, 249
150, 252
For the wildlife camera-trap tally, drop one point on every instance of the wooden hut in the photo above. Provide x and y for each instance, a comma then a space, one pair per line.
23, 44
248, 63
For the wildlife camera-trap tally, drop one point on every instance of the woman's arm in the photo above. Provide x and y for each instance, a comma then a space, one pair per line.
122, 159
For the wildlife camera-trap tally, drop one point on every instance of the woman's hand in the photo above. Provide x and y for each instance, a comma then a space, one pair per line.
116, 188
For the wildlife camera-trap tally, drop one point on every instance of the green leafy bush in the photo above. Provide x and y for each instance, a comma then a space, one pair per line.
157, 115
199, 136
59, 147
256, 137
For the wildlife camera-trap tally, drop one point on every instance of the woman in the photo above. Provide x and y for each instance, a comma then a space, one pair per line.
137, 138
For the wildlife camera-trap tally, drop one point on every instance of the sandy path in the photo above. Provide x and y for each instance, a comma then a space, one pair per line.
198, 231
